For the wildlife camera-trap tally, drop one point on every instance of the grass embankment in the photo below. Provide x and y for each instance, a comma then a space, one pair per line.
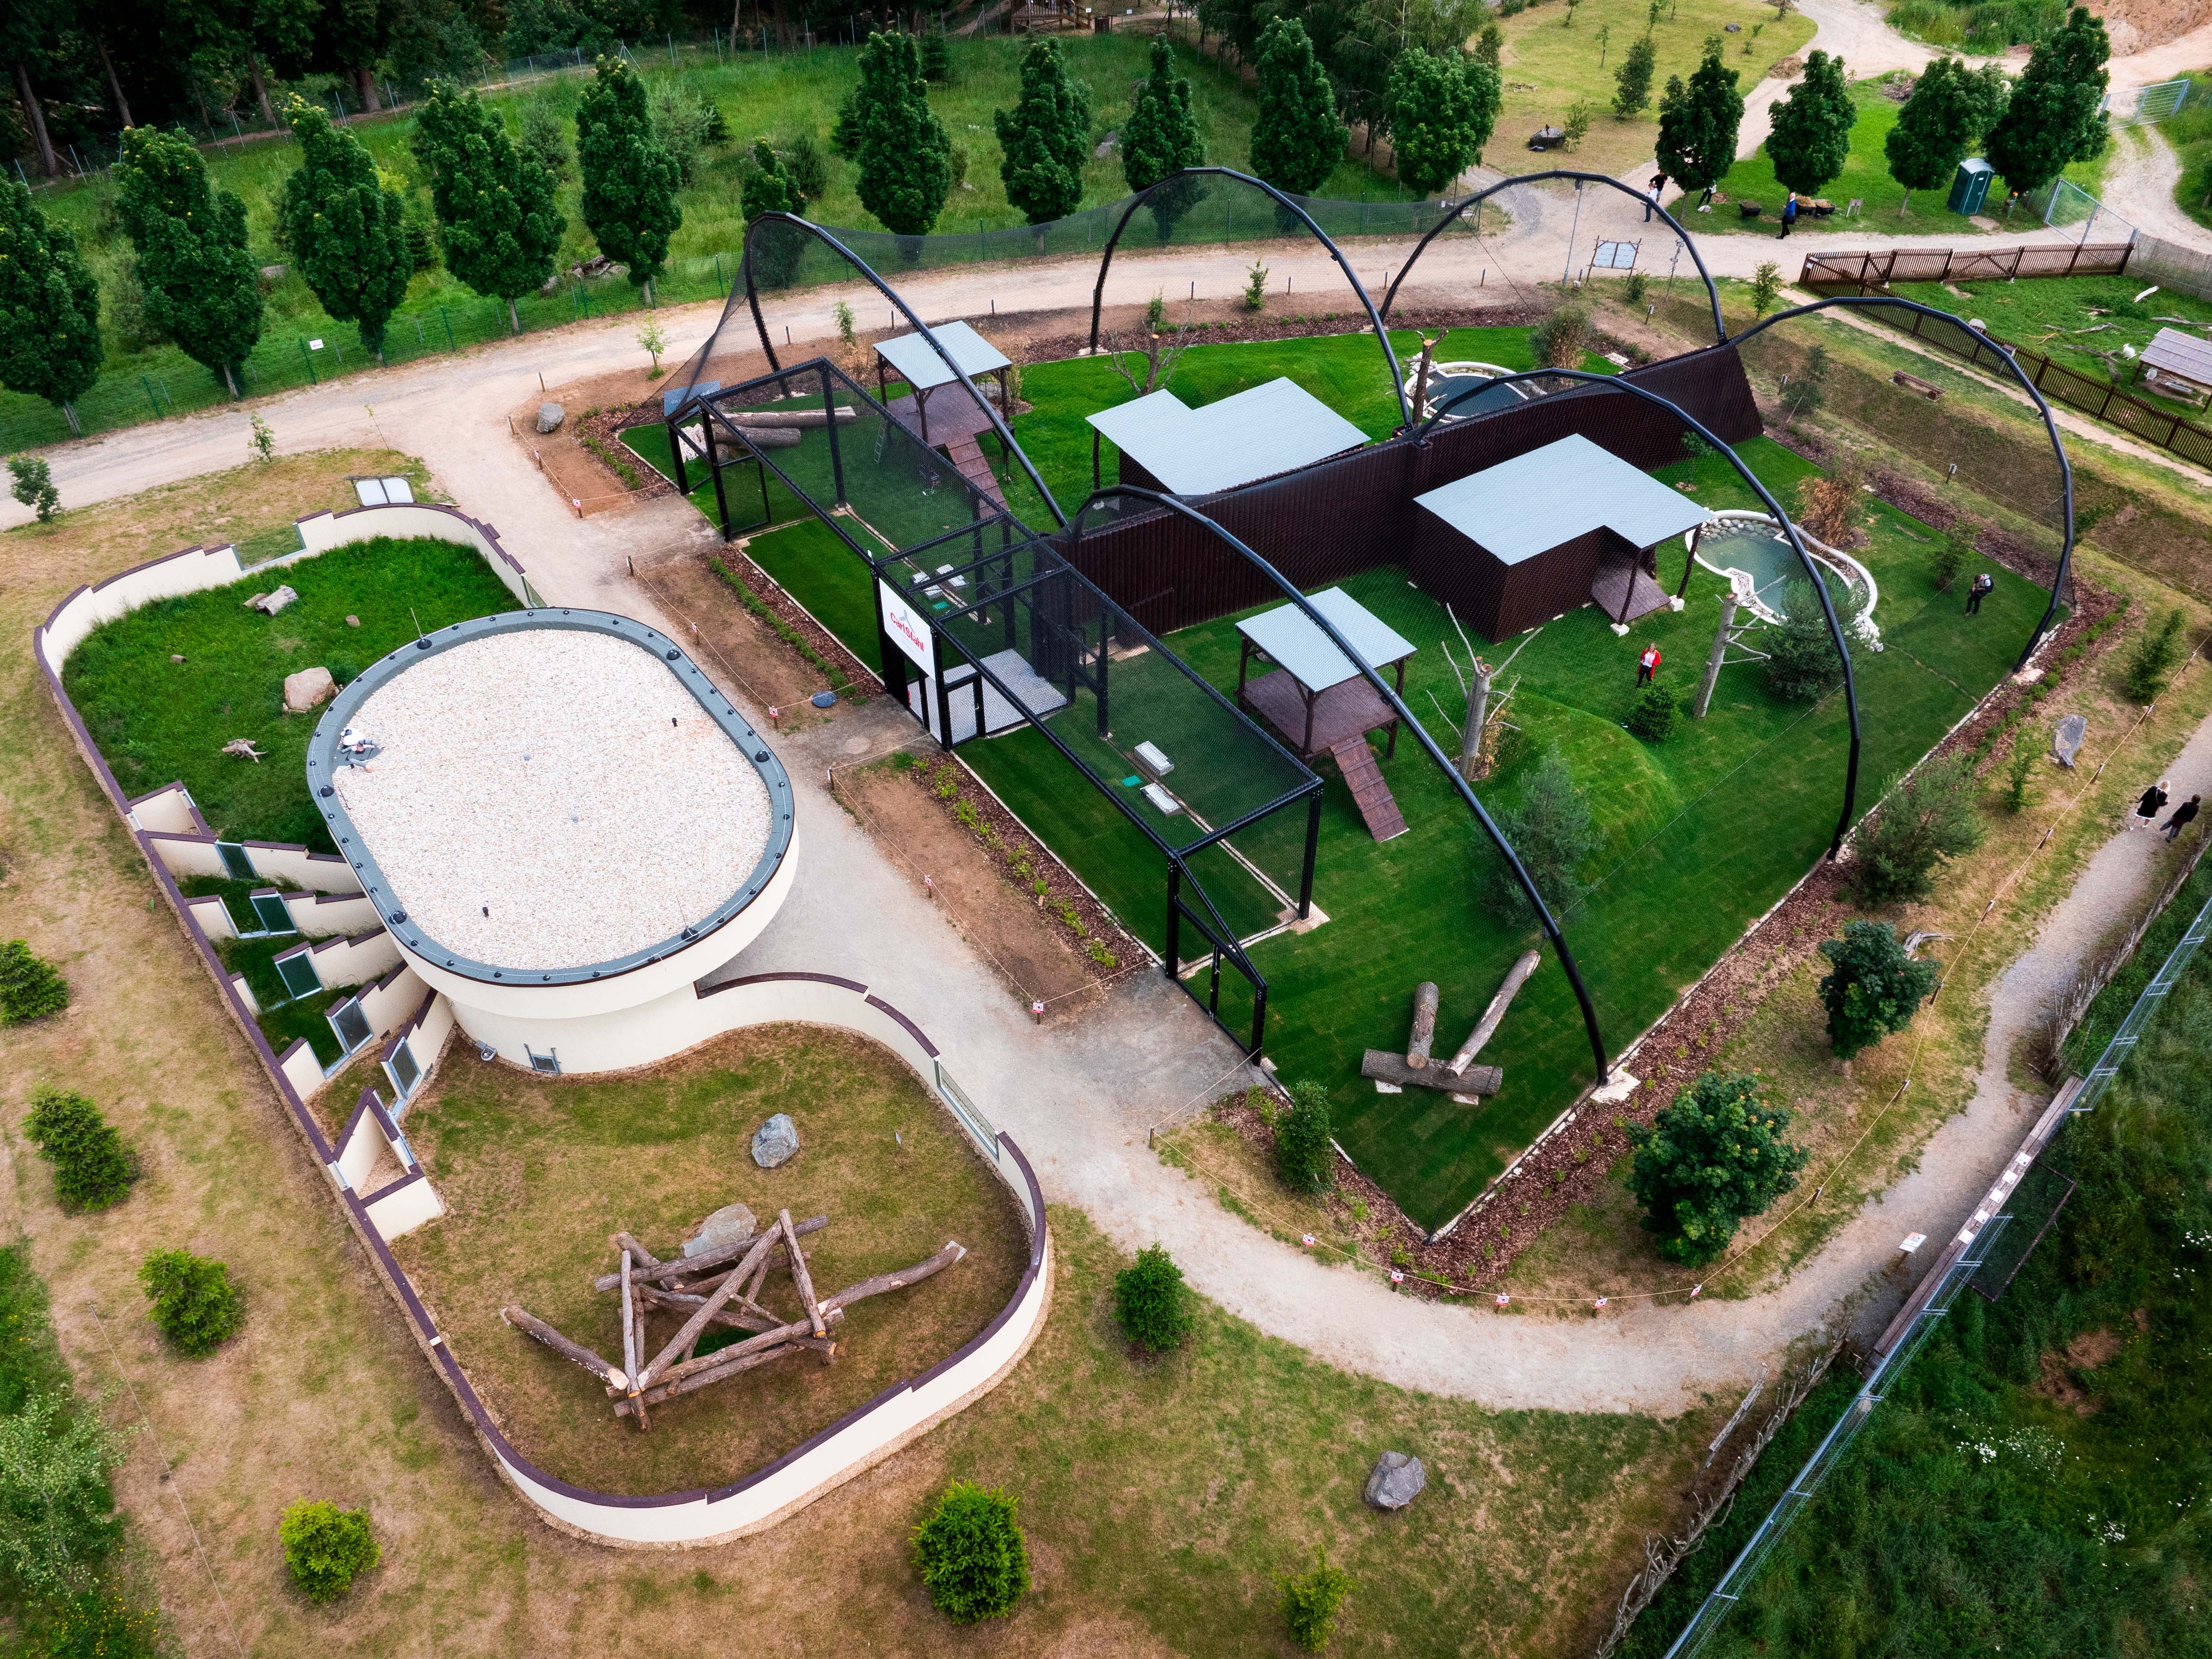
2189, 130
157, 719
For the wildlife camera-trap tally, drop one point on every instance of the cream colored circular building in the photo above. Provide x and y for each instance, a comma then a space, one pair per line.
564, 824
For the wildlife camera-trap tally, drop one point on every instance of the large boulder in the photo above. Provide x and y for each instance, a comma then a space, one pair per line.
1396, 1481
550, 416
776, 1141
731, 1225
310, 688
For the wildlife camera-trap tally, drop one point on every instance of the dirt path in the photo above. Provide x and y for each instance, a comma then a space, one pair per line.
2139, 188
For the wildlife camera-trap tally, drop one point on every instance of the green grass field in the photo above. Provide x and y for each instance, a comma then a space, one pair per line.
158, 720
2188, 130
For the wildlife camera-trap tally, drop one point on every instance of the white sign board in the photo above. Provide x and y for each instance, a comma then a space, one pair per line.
908, 628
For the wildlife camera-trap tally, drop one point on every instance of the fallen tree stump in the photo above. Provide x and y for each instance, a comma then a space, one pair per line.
1386, 1067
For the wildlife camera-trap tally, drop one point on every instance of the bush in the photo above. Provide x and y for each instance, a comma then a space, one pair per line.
29, 987
92, 1167
194, 1303
57, 1512
971, 1554
1654, 715
1639, 286
1873, 988
1712, 1157
1930, 818
101, 1623
1801, 660
2018, 774
33, 485
1151, 1302
1305, 1160
1310, 1600
2153, 657
1550, 831
326, 1547
1949, 556
1561, 339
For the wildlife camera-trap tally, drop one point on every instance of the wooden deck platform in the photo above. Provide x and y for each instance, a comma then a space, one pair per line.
952, 416
967, 457
1611, 586
1349, 710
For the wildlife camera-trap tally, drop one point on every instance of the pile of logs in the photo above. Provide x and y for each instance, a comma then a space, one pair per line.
1458, 1076
720, 1286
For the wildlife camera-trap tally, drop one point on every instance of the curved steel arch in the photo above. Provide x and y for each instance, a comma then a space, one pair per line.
1712, 294
1619, 383
2042, 408
752, 301
1428, 743
1382, 335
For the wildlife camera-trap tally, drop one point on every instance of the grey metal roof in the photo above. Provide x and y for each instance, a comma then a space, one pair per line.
1254, 434
1531, 504
920, 366
1288, 636
2175, 353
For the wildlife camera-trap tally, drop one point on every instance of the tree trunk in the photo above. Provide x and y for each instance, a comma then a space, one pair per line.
1478, 717
366, 77
69, 413
514, 316
1487, 1026
114, 85
230, 380
39, 138
1425, 1024
260, 87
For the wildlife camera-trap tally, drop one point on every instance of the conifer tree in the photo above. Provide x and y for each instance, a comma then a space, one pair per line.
1046, 138
629, 180
1443, 110
347, 228
1939, 120
905, 158
1632, 81
2053, 117
1297, 138
769, 188
1812, 135
202, 288
1160, 138
1697, 122
496, 219
49, 306
936, 57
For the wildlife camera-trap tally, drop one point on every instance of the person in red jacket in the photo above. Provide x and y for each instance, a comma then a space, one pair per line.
1647, 664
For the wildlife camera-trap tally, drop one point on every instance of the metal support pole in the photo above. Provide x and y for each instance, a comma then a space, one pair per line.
714, 468
1306, 869
1171, 958
829, 420
1573, 225
675, 461
1713, 661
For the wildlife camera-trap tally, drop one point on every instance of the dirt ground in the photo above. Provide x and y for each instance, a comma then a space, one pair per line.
2138, 24
734, 644
571, 471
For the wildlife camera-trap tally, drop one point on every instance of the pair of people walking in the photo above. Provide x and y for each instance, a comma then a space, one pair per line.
2152, 801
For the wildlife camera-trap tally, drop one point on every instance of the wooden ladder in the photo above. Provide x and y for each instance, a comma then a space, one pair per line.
1377, 804
968, 459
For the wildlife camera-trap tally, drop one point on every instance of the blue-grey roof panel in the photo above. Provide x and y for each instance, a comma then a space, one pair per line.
1288, 637
1533, 502
919, 365
1272, 427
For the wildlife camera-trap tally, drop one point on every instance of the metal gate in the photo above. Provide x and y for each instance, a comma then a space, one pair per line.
1220, 947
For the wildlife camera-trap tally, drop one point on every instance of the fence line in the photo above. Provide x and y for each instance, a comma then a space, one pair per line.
1877, 268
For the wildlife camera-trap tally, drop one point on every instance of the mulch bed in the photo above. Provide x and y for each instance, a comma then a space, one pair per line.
789, 611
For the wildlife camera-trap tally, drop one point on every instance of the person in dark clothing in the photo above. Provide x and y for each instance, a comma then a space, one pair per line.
1789, 215
1977, 592
2147, 809
1647, 664
1651, 200
2183, 815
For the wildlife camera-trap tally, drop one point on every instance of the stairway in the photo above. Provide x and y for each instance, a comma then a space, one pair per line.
968, 460
1377, 804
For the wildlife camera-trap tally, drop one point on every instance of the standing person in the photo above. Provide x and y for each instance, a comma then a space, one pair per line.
1975, 594
2149, 807
1647, 664
2183, 815
1651, 196
1789, 215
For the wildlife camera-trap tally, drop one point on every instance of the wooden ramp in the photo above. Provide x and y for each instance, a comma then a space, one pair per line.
968, 459
1377, 804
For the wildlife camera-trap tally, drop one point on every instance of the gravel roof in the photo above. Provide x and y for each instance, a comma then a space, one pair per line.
567, 783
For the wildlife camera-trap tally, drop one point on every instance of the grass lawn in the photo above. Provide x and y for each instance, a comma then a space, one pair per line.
2188, 130
156, 720
1866, 176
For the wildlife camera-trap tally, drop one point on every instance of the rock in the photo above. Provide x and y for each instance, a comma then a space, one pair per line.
776, 1141
272, 275
309, 689
270, 603
174, 657
731, 1225
550, 416
352, 622
2066, 742
550, 285
1396, 1482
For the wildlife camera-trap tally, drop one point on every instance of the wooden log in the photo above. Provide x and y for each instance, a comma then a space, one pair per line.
898, 1280
782, 1334
530, 1325
799, 1276
735, 1317
694, 1326
663, 1392
1386, 1066
630, 1329
1486, 1027
668, 1272
814, 418
640, 1255
1425, 1024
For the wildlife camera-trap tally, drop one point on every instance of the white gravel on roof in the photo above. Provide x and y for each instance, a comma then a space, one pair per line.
566, 783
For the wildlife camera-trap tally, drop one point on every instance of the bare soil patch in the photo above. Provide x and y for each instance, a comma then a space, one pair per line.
2062, 1374
735, 641
582, 475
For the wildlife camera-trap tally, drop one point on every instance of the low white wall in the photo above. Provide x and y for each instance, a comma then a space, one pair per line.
391, 1001
169, 808
245, 994
190, 571
318, 916
212, 916
356, 961
403, 1209
428, 1039
186, 856
321, 531
301, 1069
318, 872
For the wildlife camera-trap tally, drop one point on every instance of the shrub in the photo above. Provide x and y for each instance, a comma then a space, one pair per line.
92, 1167
1873, 988
1765, 288
1713, 1156
1550, 830
326, 1547
30, 988
1949, 556
1654, 715
1310, 1600
1304, 1157
1801, 661
2153, 657
1256, 287
57, 1513
2018, 774
100, 1622
33, 485
1930, 818
971, 1554
1562, 337
194, 1303
1639, 286
1151, 1302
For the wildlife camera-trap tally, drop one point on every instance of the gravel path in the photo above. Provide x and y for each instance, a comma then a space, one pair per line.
2139, 188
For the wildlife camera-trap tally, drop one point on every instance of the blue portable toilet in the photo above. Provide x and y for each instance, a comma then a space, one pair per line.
1970, 187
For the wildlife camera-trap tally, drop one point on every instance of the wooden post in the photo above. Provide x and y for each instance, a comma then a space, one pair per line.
530, 1325
1425, 1024
799, 1276
629, 1341
1487, 1025
1713, 662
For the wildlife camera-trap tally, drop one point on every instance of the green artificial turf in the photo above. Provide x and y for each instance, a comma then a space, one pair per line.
156, 720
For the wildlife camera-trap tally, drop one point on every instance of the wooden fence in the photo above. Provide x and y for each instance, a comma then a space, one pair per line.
1878, 267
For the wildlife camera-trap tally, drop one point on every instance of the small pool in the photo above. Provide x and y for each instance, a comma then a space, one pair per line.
1758, 562
1450, 381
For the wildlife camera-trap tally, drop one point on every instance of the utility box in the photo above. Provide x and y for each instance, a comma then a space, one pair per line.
1970, 187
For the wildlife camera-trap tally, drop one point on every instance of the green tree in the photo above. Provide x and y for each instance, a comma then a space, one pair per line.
973, 1559
57, 1511
936, 57
1305, 1156
49, 306
1655, 714
201, 287
1442, 112
31, 481
808, 164
1631, 79
1943, 116
194, 1303
629, 181
1045, 138
1949, 556
1311, 1600
347, 228
1161, 138
1549, 829
1490, 44
1872, 988
1297, 138
1808, 386
496, 221
1563, 337
1713, 1156
326, 1547
92, 1167
769, 188
905, 158
545, 136
2152, 661
2054, 115
30, 988
1150, 1302
1928, 819
1801, 662
1698, 123
1812, 135
1765, 287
